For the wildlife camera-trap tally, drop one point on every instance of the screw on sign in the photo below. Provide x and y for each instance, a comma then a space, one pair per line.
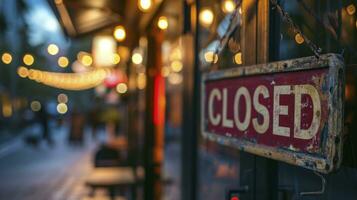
290, 110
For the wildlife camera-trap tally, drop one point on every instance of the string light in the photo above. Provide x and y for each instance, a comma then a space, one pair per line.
63, 61
176, 66
165, 71
144, 5
62, 108
299, 39
162, 23
70, 81
116, 58
22, 72
6, 58
62, 98
122, 88
228, 6
119, 33
52, 49
35, 106
175, 78
86, 60
28, 59
137, 58
238, 58
206, 17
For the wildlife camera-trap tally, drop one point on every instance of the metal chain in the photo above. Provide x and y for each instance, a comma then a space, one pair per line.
228, 33
287, 19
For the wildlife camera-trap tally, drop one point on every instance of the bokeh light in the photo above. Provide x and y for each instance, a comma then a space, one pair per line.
22, 71
35, 106
6, 58
119, 33
176, 66
144, 5
137, 58
238, 58
63, 61
28, 59
206, 17
62, 98
228, 6
122, 88
62, 108
52, 49
162, 23
116, 58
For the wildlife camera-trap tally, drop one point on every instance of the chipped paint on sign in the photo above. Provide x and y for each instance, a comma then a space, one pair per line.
290, 110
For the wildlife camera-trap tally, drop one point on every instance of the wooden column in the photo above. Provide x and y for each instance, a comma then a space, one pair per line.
154, 132
258, 173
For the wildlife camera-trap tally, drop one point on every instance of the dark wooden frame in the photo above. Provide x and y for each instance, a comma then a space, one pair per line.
326, 163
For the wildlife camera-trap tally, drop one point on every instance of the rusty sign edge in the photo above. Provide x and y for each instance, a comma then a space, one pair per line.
334, 144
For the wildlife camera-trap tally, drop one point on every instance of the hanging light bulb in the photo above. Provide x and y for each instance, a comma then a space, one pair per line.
144, 5
119, 33
206, 17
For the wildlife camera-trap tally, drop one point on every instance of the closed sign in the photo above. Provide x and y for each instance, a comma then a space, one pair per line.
290, 111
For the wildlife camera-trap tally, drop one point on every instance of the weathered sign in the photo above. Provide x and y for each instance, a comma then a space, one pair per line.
290, 111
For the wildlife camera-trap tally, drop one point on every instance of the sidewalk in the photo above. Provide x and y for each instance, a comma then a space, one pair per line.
46, 173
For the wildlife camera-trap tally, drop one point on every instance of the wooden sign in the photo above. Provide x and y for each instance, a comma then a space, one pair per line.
290, 111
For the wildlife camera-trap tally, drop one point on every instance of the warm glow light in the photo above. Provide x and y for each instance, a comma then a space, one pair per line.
165, 71
23, 72
206, 17
103, 49
238, 58
62, 108
6, 58
62, 98
162, 23
119, 33
209, 55
7, 110
141, 81
63, 61
116, 58
175, 78
70, 81
122, 88
52, 49
299, 39
137, 58
228, 6
35, 106
28, 59
144, 5
176, 66
87, 60
351, 9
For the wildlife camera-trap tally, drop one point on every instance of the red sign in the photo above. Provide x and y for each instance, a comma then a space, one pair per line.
290, 110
